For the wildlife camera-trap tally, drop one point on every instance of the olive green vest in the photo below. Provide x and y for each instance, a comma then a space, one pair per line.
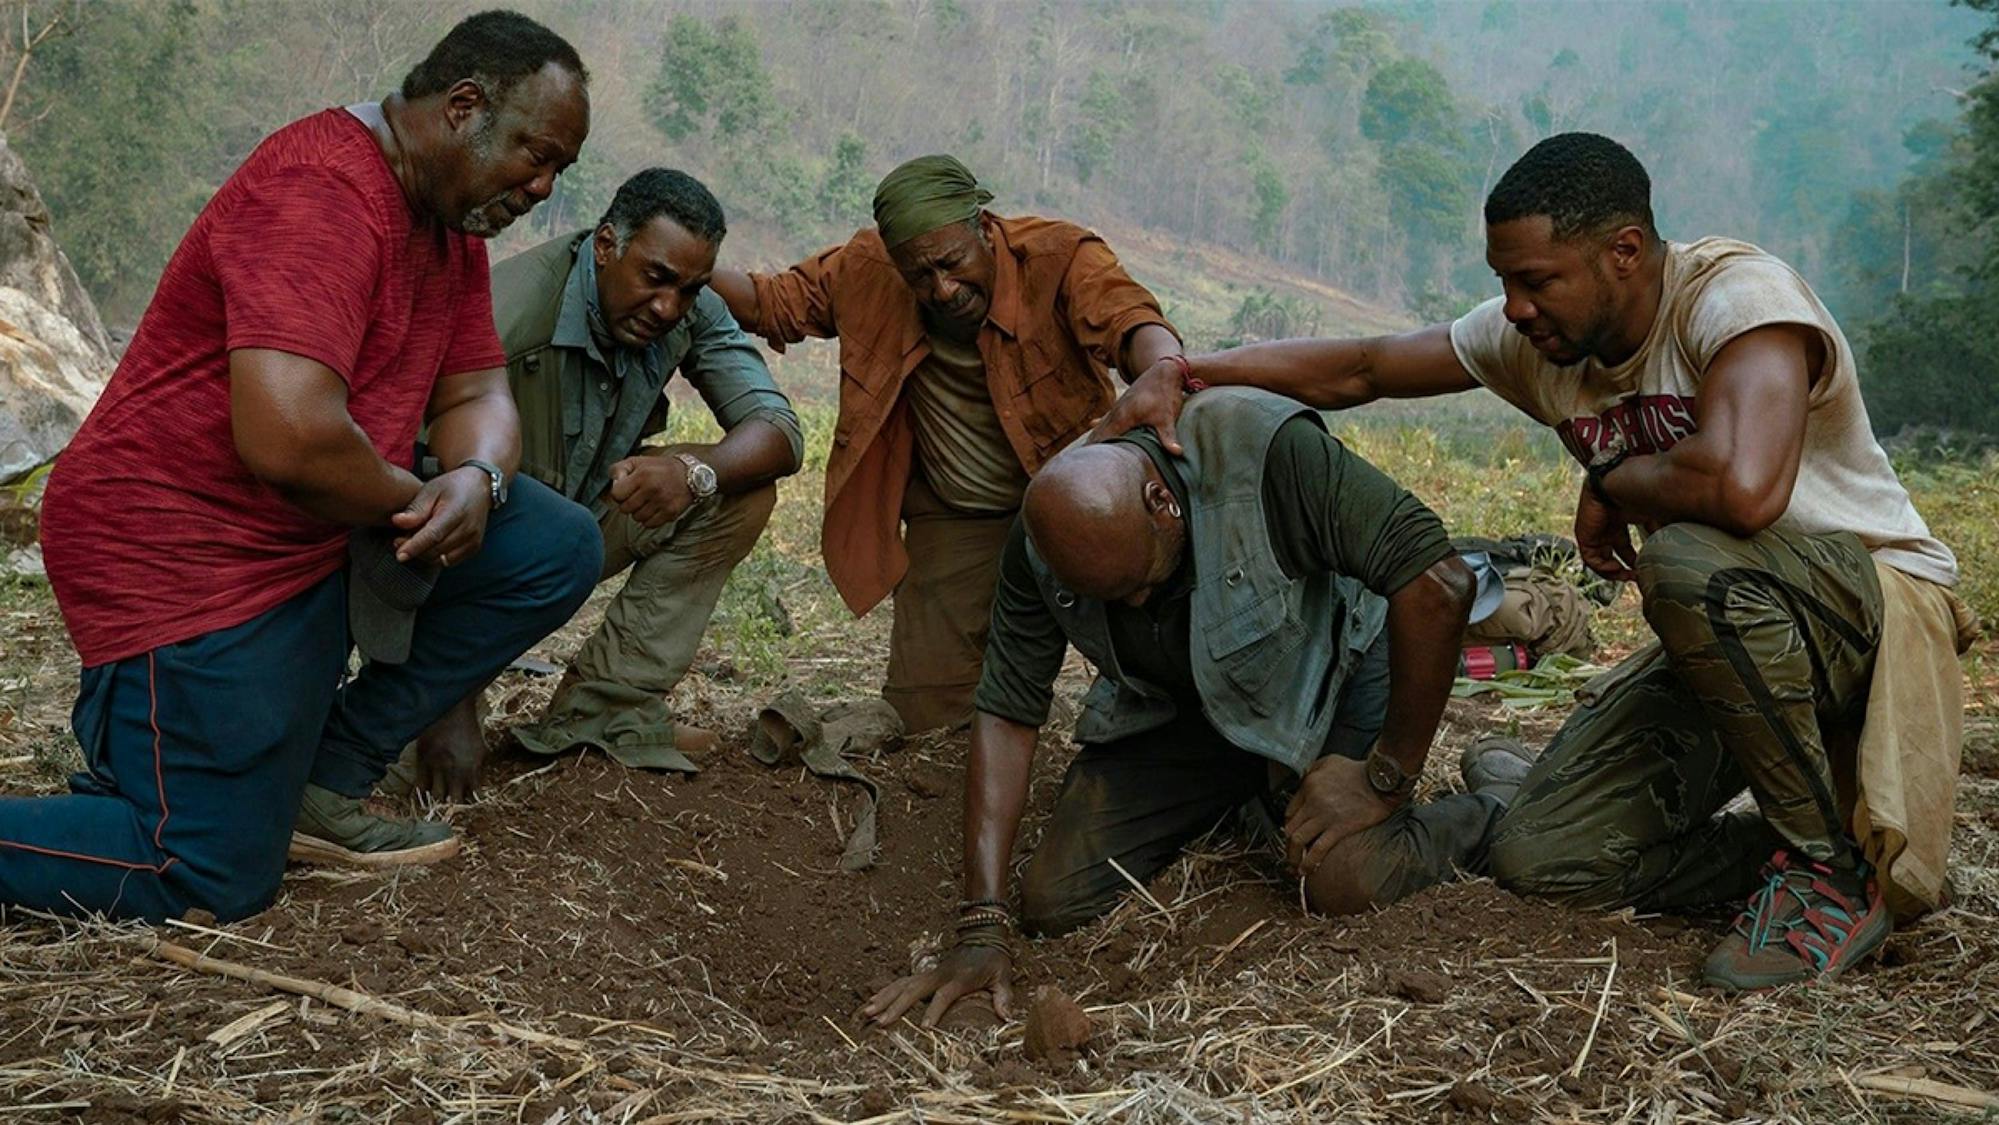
1270, 654
527, 298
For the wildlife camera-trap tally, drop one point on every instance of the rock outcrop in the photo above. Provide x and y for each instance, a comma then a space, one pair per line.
54, 353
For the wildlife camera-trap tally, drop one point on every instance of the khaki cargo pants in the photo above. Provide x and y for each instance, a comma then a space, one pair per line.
1766, 648
943, 608
652, 629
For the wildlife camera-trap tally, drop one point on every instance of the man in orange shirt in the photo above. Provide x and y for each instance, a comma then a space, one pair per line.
973, 348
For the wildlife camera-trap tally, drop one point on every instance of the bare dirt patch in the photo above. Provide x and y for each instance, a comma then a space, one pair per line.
695, 937
618, 946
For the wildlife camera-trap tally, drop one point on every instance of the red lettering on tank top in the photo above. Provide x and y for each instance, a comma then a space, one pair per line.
1642, 423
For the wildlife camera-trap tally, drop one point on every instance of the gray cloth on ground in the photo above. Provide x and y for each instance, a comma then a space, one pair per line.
791, 729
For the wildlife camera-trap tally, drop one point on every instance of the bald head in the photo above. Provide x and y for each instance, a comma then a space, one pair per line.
1104, 521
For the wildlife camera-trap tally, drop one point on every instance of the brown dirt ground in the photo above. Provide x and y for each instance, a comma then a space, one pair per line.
697, 932
694, 940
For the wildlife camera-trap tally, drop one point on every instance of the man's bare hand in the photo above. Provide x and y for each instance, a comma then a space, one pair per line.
1333, 801
1153, 399
1603, 538
445, 522
451, 754
651, 488
963, 971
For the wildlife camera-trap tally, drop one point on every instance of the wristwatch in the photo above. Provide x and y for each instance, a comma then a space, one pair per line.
1595, 474
700, 477
1386, 776
497, 479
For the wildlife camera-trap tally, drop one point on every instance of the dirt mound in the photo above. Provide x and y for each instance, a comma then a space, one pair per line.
711, 910
711, 907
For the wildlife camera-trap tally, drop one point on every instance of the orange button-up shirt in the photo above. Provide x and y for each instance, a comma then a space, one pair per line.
1061, 310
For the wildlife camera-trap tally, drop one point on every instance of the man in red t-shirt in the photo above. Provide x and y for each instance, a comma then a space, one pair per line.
330, 301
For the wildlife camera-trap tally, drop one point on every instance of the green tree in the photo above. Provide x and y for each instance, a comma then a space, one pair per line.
1430, 191
1905, 241
1266, 185
712, 83
1933, 360
1105, 114
846, 191
1980, 176
1426, 169
1409, 100
711, 79
137, 95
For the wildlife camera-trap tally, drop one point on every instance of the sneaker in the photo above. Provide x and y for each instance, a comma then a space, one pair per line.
1808, 920
340, 830
1495, 766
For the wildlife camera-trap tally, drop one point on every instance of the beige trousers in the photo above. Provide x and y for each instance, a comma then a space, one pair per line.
943, 609
652, 629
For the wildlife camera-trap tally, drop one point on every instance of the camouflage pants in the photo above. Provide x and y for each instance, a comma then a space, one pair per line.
1766, 646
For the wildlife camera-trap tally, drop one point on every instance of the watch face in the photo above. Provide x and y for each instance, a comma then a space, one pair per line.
702, 479
1383, 774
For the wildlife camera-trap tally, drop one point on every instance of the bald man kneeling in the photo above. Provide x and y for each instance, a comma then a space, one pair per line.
1266, 605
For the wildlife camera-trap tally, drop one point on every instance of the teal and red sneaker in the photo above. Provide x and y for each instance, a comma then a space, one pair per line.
1808, 920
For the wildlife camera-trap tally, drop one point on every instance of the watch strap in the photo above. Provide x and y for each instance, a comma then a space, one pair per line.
497, 479
1596, 472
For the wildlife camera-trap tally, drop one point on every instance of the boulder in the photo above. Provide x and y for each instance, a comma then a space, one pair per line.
54, 353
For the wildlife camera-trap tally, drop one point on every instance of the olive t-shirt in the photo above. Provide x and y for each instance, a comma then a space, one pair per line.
1328, 512
959, 441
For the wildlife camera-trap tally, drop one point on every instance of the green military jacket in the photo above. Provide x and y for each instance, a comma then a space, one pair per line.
582, 410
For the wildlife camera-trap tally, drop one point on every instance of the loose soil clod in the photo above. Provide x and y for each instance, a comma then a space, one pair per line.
1057, 1026
1419, 986
365, 932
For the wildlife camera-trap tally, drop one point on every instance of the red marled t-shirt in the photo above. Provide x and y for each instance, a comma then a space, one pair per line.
152, 528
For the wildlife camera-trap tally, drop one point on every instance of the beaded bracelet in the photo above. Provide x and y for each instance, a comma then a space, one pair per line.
973, 920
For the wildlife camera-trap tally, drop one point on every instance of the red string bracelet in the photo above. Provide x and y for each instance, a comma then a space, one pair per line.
1187, 381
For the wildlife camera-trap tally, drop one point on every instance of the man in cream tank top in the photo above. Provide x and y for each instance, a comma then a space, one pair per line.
1715, 406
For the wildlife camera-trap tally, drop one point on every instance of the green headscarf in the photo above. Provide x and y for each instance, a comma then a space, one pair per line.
924, 194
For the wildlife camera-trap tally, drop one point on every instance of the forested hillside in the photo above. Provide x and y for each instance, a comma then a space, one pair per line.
1351, 144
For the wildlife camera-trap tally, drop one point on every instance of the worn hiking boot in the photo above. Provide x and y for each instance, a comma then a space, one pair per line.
1495, 766
1808, 920
340, 830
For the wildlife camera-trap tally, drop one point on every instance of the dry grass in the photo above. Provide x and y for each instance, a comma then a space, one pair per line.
1265, 1019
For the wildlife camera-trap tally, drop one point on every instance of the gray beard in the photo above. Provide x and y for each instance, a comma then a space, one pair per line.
479, 222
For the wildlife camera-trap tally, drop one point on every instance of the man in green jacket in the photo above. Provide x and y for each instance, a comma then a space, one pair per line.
1266, 605
594, 325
